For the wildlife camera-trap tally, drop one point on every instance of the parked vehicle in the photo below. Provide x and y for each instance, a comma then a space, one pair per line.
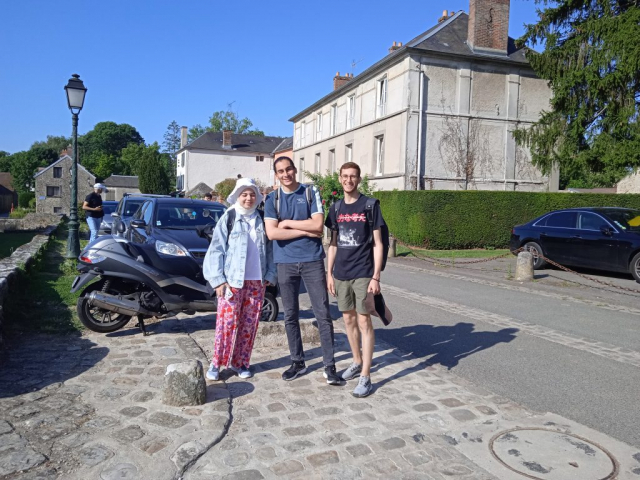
154, 268
108, 207
127, 206
603, 238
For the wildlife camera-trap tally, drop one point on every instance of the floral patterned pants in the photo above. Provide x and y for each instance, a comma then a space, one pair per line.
237, 324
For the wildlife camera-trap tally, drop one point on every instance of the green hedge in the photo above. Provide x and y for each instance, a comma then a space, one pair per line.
24, 198
440, 219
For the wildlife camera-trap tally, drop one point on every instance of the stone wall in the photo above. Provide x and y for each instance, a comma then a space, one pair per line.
61, 202
22, 257
31, 222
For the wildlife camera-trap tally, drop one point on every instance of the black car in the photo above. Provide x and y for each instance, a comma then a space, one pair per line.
167, 232
602, 238
127, 206
108, 207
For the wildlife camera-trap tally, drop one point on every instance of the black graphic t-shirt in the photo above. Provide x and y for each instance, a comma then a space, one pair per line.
94, 200
354, 257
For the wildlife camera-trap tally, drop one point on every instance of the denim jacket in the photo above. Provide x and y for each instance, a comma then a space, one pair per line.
225, 260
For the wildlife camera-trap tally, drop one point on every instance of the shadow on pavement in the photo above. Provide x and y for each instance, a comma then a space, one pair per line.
41, 360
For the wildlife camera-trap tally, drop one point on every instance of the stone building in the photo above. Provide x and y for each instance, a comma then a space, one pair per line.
53, 186
118, 185
435, 113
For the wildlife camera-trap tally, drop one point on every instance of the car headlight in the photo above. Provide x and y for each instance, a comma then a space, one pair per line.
170, 249
91, 256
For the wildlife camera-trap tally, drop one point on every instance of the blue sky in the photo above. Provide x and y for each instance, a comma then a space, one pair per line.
148, 62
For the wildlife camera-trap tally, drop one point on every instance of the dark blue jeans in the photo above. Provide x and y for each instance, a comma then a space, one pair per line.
315, 279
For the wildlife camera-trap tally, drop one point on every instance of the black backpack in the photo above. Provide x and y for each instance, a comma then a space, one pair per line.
276, 199
384, 230
231, 219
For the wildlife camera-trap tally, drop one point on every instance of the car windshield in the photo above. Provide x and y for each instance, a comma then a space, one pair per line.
626, 219
187, 216
108, 209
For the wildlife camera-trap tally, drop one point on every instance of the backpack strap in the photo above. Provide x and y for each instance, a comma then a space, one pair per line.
368, 209
336, 208
231, 219
276, 202
308, 193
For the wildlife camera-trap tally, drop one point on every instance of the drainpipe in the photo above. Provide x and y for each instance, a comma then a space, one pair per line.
420, 159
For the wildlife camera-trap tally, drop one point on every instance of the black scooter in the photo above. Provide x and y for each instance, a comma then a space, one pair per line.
119, 285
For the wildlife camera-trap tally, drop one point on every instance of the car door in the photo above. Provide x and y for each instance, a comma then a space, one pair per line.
591, 247
117, 218
139, 234
555, 236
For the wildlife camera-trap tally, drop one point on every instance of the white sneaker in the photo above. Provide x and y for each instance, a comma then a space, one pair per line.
213, 373
242, 372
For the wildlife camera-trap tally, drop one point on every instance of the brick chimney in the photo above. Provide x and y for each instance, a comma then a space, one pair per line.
226, 138
184, 136
340, 80
67, 151
395, 46
488, 26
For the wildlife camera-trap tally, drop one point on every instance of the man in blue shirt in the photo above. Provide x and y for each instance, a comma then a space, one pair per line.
294, 219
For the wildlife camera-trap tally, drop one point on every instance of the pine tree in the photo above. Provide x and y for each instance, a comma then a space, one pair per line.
591, 58
171, 143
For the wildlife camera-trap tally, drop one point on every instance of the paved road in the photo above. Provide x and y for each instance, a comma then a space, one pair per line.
545, 351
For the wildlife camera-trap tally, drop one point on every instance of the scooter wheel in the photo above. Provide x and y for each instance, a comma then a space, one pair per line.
98, 319
270, 308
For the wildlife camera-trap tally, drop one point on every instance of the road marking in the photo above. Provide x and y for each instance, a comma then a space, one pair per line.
601, 349
516, 288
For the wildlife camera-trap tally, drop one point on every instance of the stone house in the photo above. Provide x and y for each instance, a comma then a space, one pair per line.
53, 186
214, 156
8, 195
118, 185
435, 113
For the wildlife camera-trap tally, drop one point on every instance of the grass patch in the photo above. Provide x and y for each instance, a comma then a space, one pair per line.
10, 241
403, 251
41, 299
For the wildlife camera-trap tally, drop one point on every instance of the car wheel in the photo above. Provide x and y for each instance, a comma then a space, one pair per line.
536, 251
634, 267
270, 308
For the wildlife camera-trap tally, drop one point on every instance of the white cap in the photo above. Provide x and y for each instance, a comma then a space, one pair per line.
242, 184
102, 186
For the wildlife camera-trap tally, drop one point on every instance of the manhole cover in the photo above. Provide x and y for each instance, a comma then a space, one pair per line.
549, 455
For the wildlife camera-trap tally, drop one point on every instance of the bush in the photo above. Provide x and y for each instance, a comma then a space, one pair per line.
24, 198
331, 189
225, 187
476, 219
19, 212
81, 213
32, 203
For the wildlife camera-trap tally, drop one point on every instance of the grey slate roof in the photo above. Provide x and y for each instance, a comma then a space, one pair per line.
199, 190
123, 181
239, 143
446, 38
286, 144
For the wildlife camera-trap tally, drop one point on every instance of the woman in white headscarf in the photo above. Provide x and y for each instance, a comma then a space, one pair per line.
239, 265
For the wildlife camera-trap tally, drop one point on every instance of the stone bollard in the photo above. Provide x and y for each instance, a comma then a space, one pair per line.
392, 246
524, 267
184, 384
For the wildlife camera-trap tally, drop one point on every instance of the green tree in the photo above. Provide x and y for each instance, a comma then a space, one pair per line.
106, 138
5, 161
106, 165
196, 131
171, 143
154, 171
58, 143
591, 58
228, 120
23, 167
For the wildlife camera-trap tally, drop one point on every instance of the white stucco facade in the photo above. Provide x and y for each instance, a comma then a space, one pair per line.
426, 97
212, 167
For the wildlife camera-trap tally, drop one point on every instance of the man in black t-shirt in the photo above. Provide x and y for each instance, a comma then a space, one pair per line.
92, 207
354, 262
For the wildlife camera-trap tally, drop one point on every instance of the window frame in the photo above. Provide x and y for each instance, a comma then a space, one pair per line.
381, 96
317, 162
348, 152
333, 120
332, 159
54, 187
351, 111
379, 154
318, 126
57, 170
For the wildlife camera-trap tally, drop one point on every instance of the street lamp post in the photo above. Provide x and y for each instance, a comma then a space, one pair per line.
75, 98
